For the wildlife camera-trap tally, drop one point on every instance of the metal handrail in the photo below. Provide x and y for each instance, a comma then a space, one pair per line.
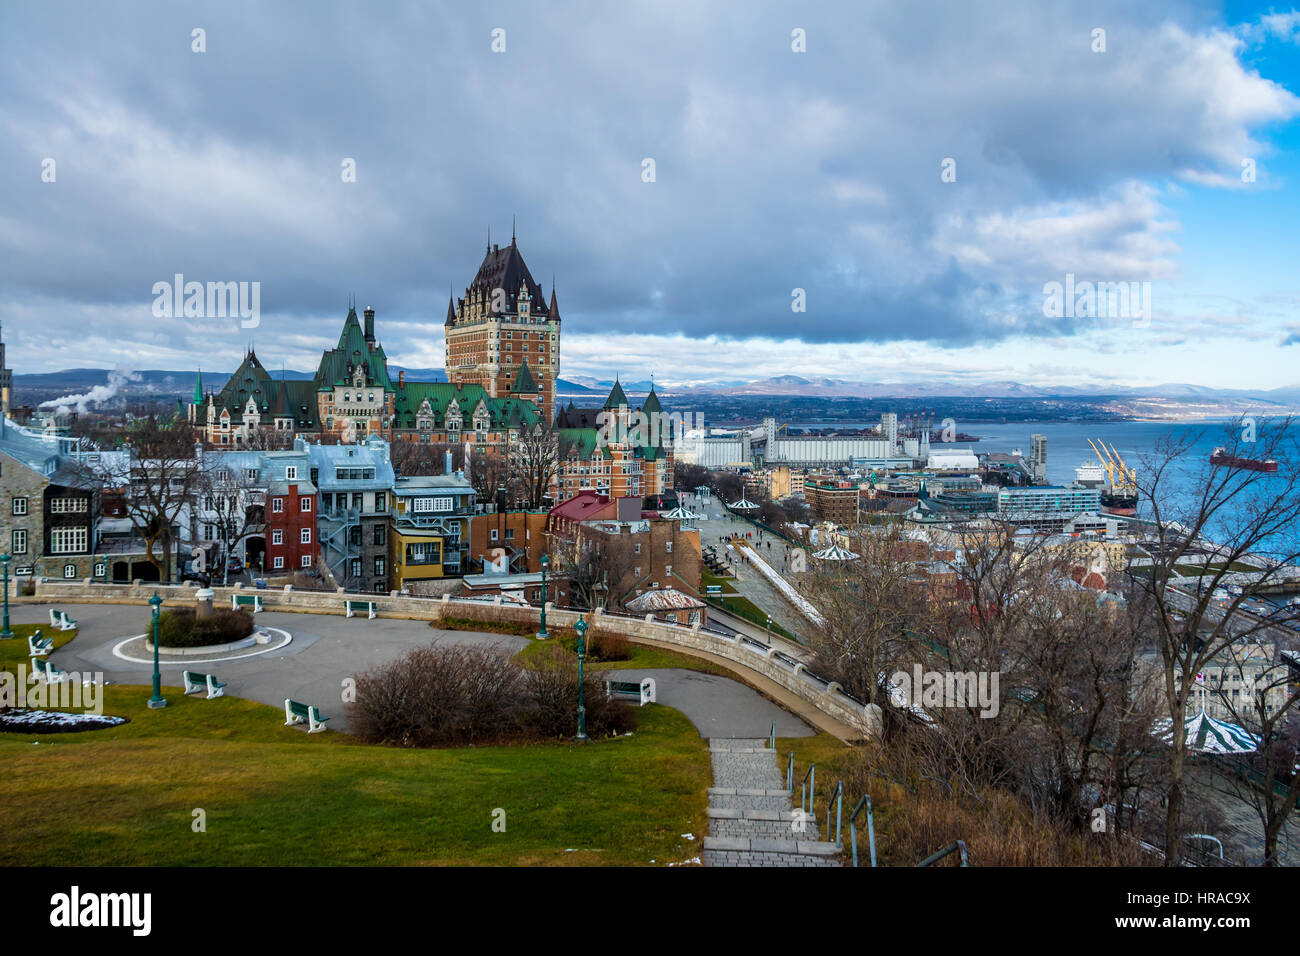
789, 774
807, 790
958, 846
871, 829
837, 798
771, 740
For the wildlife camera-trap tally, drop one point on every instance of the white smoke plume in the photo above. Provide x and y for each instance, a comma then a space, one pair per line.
117, 378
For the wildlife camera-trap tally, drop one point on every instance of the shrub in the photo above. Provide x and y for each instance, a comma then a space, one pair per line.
440, 696
452, 696
178, 627
552, 683
601, 645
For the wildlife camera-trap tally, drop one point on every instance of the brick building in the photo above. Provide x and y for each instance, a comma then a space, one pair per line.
291, 509
832, 499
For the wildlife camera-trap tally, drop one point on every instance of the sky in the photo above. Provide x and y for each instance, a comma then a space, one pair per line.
860, 191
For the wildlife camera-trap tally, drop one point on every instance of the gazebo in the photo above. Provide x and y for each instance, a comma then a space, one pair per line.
681, 514
1208, 735
743, 505
835, 553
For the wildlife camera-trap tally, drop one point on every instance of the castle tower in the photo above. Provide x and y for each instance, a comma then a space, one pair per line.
503, 329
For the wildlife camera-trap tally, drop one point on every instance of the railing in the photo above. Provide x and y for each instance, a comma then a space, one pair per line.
808, 786
789, 774
771, 740
863, 804
836, 799
957, 846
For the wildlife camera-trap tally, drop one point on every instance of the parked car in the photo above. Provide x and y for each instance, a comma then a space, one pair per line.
235, 565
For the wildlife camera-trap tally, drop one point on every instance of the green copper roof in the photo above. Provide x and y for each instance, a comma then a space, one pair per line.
617, 397
503, 413
352, 350
524, 384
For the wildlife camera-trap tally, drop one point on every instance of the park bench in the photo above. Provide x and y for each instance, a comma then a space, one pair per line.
246, 600
713, 589
196, 682
644, 690
61, 620
296, 713
38, 646
352, 607
45, 669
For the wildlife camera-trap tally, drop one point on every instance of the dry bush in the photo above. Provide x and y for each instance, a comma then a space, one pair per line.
440, 696
607, 646
551, 680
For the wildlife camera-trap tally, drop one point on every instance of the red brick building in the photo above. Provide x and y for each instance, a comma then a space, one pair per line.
291, 544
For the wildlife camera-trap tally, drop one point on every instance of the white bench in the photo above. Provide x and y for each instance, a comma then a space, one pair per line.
246, 600
196, 682
645, 689
38, 646
44, 669
351, 608
61, 620
296, 713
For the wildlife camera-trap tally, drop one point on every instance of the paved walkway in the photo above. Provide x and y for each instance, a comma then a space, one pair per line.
719, 707
325, 650
751, 820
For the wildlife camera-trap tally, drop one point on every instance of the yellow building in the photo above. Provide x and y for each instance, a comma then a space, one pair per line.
429, 538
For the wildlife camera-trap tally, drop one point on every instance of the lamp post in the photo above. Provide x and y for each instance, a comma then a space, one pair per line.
541, 632
5, 634
581, 628
157, 701
769, 630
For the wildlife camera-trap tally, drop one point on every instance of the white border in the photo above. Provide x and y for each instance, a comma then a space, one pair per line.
117, 652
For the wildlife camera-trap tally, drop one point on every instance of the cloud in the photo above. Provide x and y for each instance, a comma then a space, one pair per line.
775, 170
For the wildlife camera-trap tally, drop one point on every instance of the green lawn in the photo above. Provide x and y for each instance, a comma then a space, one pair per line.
274, 795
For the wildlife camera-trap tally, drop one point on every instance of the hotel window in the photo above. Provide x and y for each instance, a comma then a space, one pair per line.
277, 562
67, 540
304, 504
670, 547
20, 506
277, 536
492, 535
277, 506
20, 541
306, 536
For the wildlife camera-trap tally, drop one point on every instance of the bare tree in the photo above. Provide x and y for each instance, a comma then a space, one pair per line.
234, 504
1236, 513
532, 464
156, 478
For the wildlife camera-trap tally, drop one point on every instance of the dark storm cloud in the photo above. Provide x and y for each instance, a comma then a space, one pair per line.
775, 170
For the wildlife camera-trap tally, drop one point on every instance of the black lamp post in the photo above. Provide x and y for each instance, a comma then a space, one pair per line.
581, 629
5, 634
541, 632
157, 701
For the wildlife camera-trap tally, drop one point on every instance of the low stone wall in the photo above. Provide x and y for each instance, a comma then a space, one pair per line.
769, 662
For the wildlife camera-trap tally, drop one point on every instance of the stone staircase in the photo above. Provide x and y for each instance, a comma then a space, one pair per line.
751, 820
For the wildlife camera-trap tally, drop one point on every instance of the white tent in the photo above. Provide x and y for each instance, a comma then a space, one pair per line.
1210, 736
835, 553
743, 505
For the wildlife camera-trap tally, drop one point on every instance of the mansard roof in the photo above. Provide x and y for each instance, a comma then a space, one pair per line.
505, 269
524, 384
503, 413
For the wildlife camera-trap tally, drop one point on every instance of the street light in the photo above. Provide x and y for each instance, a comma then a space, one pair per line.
769, 630
581, 628
5, 634
157, 701
541, 633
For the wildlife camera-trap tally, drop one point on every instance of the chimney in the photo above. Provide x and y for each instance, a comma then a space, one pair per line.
446, 468
370, 325
401, 378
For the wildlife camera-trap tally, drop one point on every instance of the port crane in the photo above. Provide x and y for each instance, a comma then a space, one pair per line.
1119, 475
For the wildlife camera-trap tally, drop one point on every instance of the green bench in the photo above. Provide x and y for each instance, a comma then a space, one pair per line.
61, 620
38, 646
296, 713
247, 600
196, 682
352, 607
643, 689
44, 669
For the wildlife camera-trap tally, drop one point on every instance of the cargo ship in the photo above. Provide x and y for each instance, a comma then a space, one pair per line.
1220, 457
